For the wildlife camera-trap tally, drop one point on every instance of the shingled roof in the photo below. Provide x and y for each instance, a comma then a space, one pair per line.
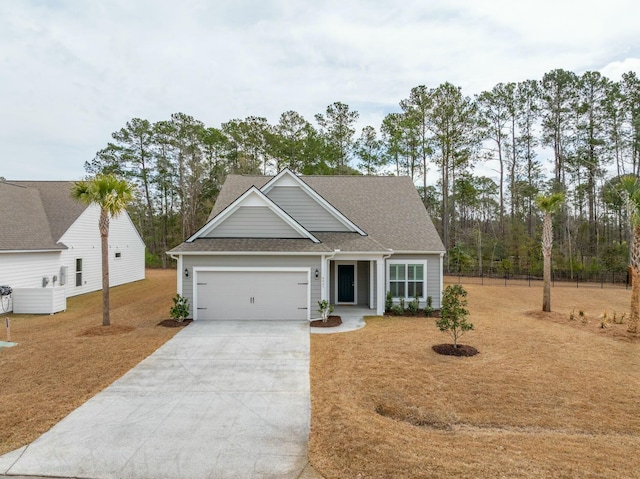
35, 214
387, 208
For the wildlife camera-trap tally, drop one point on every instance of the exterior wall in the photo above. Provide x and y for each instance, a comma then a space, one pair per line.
312, 262
39, 300
26, 270
304, 209
83, 241
253, 222
434, 275
363, 283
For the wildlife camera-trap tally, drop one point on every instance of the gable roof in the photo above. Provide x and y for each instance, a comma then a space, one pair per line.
387, 208
286, 176
252, 196
35, 214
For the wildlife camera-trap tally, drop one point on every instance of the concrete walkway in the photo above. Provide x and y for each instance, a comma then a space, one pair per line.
219, 400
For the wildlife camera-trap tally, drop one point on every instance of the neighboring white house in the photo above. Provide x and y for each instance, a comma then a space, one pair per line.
50, 247
275, 246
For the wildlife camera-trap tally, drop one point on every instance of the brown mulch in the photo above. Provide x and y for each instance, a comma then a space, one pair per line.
332, 322
451, 350
172, 323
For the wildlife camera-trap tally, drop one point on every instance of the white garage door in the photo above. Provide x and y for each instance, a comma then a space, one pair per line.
251, 295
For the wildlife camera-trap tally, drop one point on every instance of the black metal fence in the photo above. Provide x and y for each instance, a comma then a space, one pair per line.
562, 278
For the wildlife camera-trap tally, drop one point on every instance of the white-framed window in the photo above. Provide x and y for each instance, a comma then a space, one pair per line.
406, 278
78, 272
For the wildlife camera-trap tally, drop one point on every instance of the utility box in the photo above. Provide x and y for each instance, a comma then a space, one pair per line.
39, 300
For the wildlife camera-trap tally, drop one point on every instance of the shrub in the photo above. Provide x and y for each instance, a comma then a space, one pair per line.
397, 310
388, 302
413, 306
572, 315
325, 309
428, 309
604, 320
180, 309
453, 313
583, 317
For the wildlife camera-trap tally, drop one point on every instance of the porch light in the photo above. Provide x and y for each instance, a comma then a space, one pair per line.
317, 273
186, 272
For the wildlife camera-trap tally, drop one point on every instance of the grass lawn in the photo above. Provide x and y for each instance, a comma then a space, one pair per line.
64, 359
545, 398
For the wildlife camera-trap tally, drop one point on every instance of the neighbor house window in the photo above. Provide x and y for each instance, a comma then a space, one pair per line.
118, 255
78, 271
406, 278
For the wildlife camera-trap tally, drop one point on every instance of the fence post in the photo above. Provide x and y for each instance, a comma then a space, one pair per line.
577, 279
601, 280
529, 276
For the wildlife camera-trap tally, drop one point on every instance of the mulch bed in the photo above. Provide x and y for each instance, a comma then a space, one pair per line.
172, 323
450, 350
420, 313
332, 322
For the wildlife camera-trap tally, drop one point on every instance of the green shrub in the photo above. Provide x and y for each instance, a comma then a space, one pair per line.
388, 302
413, 306
453, 314
428, 309
180, 309
397, 310
325, 309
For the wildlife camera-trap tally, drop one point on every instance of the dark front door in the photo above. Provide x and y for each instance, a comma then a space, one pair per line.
346, 283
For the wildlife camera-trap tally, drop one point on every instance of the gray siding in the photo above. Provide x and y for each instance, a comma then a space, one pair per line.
253, 222
276, 261
304, 209
433, 276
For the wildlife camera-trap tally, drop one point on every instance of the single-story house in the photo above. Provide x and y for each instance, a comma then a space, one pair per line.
275, 246
50, 247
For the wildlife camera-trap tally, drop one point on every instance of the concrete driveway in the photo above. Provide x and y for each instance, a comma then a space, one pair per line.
219, 400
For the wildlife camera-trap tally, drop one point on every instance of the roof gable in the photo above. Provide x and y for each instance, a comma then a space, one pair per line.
388, 208
305, 205
29, 220
252, 215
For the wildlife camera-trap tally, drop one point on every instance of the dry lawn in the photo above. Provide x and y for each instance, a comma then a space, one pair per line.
63, 360
545, 398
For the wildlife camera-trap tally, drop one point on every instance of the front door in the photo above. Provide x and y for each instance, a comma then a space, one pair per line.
346, 283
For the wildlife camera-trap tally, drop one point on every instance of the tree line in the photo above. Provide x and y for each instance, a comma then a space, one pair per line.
477, 162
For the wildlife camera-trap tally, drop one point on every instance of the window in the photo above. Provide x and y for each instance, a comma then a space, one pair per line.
78, 271
406, 278
118, 255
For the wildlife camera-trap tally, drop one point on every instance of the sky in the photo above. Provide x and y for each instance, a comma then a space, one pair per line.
74, 71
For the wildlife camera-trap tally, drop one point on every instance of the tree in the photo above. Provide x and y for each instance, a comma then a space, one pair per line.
368, 150
336, 125
111, 195
548, 204
453, 313
630, 189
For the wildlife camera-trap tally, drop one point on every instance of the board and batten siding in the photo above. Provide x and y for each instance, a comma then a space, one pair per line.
253, 222
434, 273
83, 241
247, 261
304, 209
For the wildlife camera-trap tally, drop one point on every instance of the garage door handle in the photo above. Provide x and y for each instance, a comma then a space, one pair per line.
301, 284
202, 308
303, 308
202, 284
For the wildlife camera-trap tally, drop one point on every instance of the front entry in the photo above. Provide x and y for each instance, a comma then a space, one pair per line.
346, 283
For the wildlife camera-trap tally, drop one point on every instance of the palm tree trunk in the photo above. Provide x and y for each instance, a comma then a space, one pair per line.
547, 244
634, 317
104, 243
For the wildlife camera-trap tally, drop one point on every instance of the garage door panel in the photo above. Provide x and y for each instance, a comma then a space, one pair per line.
251, 295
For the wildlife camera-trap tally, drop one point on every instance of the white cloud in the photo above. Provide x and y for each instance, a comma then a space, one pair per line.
75, 71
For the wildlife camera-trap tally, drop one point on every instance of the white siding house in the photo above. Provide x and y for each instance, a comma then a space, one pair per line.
50, 241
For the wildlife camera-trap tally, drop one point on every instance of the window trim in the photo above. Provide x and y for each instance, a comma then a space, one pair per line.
406, 263
79, 272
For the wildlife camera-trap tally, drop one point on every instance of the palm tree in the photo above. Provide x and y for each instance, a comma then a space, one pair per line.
111, 195
548, 204
630, 188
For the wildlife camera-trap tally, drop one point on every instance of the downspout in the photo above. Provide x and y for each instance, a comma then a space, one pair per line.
441, 277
